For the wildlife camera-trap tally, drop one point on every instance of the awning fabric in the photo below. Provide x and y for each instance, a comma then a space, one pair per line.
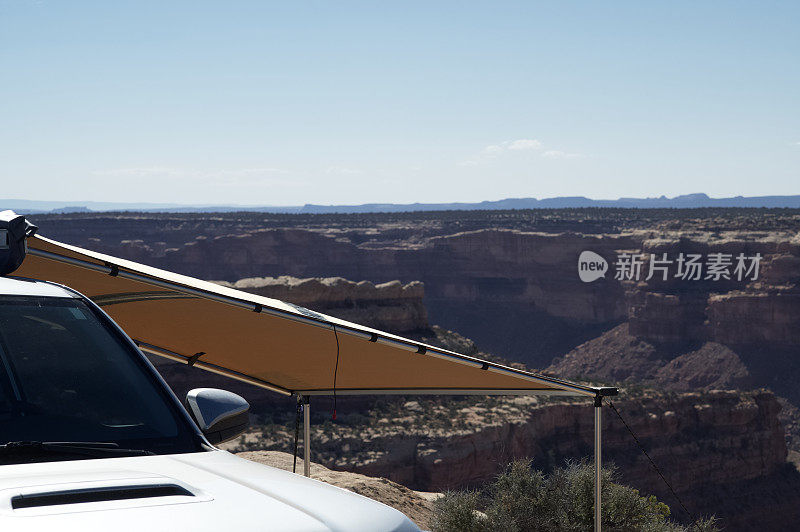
266, 342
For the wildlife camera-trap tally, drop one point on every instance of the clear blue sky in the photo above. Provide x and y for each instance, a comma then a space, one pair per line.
344, 102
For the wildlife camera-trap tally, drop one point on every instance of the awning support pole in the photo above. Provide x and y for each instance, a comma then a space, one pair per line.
598, 450
307, 435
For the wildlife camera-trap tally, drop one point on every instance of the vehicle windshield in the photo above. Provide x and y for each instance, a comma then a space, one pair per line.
67, 375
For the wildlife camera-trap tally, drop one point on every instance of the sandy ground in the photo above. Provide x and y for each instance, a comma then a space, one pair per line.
417, 505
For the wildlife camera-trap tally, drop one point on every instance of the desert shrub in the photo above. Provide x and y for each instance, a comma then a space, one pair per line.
524, 499
457, 510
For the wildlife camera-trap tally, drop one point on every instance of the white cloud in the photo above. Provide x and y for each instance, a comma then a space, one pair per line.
525, 144
341, 170
494, 151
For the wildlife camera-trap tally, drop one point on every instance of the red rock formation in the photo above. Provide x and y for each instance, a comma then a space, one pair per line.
708, 445
514, 291
769, 317
517, 292
760, 312
618, 356
389, 306
529, 281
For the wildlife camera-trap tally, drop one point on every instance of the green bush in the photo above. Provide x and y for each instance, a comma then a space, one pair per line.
523, 499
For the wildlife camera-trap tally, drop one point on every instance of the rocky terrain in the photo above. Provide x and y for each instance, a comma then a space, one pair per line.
506, 279
710, 446
418, 506
389, 306
700, 335
509, 280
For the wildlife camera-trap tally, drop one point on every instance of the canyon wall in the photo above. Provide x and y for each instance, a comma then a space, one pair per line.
534, 269
518, 293
685, 311
506, 279
723, 452
390, 306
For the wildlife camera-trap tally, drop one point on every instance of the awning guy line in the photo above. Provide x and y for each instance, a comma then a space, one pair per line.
250, 306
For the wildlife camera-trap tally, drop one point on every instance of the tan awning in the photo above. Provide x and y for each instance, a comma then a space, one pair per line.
266, 342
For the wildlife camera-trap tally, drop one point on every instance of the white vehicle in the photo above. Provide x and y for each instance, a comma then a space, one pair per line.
91, 438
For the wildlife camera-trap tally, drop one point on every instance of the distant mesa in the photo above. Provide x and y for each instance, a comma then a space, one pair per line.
69, 210
686, 201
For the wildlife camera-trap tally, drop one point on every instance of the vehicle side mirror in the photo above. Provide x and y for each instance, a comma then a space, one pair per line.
220, 414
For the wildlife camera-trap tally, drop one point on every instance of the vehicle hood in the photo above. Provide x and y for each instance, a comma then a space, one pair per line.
213, 491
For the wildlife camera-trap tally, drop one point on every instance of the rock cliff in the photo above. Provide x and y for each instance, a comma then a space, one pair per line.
723, 452
508, 279
389, 306
685, 311
517, 293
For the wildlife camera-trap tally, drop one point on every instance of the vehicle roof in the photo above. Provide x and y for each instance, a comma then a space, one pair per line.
20, 286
